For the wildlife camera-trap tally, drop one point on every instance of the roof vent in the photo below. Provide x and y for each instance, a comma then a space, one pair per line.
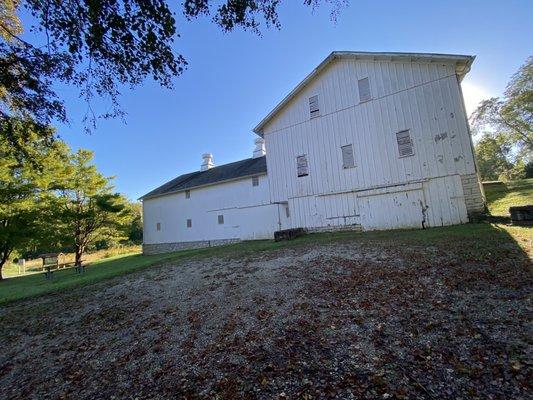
259, 150
208, 162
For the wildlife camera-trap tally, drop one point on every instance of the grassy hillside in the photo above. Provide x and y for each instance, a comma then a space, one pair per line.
491, 238
514, 193
35, 266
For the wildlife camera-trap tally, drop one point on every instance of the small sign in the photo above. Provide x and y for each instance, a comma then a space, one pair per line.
50, 261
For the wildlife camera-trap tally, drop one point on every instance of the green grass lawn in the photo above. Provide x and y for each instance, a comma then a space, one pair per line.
36, 284
514, 193
489, 236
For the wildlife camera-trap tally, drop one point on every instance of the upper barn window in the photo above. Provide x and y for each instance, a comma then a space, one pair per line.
187, 194
364, 90
405, 143
255, 181
314, 110
301, 165
348, 160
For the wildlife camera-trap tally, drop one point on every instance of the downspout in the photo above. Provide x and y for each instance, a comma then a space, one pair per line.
279, 217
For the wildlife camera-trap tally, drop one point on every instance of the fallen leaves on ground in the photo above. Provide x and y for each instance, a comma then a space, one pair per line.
338, 321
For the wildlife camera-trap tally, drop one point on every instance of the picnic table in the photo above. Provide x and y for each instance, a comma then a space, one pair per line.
54, 261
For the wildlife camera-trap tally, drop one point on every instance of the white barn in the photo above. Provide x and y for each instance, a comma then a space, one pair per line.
366, 141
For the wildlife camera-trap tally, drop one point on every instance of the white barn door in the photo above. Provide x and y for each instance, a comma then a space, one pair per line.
392, 210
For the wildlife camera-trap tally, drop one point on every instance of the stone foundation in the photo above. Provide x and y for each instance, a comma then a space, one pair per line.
473, 193
336, 228
159, 248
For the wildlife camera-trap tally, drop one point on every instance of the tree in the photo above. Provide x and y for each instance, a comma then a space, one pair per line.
100, 46
9, 21
24, 200
87, 207
491, 156
135, 225
512, 115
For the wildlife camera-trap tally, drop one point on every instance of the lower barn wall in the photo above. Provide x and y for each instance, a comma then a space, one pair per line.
431, 202
159, 248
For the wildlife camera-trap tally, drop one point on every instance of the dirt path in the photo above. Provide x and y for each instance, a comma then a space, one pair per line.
346, 320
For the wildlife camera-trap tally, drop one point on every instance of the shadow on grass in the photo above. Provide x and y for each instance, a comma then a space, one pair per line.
482, 242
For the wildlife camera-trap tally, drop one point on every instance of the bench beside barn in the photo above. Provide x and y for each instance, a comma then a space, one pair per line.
366, 141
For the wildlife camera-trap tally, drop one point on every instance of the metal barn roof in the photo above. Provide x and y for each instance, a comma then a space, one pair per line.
462, 66
222, 173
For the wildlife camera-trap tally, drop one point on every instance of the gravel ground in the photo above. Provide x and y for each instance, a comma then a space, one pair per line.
377, 320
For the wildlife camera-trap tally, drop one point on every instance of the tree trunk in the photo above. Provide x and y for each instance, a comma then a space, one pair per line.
79, 254
3, 260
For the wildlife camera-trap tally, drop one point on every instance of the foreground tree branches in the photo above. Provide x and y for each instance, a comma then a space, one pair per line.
100, 46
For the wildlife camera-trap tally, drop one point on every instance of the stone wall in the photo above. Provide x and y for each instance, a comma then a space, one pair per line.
473, 193
336, 228
158, 248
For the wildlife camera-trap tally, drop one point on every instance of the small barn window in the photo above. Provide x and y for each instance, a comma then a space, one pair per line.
348, 160
220, 219
405, 144
187, 194
287, 212
255, 181
364, 90
189, 223
314, 110
301, 165
158, 226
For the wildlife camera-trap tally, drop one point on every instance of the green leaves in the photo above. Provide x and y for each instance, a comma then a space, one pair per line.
101, 46
51, 197
25, 178
509, 122
511, 115
491, 156
87, 208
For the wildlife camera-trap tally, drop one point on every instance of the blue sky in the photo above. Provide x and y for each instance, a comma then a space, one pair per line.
234, 80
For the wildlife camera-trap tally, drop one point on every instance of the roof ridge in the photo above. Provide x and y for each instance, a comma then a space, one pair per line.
233, 170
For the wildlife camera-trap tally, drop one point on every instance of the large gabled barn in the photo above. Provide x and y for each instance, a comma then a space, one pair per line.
366, 141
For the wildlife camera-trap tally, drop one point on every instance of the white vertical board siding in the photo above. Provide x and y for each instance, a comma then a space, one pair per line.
247, 210
392, 210
436, 202
423, 98
445, 200
324, 211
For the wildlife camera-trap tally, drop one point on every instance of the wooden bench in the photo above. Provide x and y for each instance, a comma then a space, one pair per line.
50, 269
